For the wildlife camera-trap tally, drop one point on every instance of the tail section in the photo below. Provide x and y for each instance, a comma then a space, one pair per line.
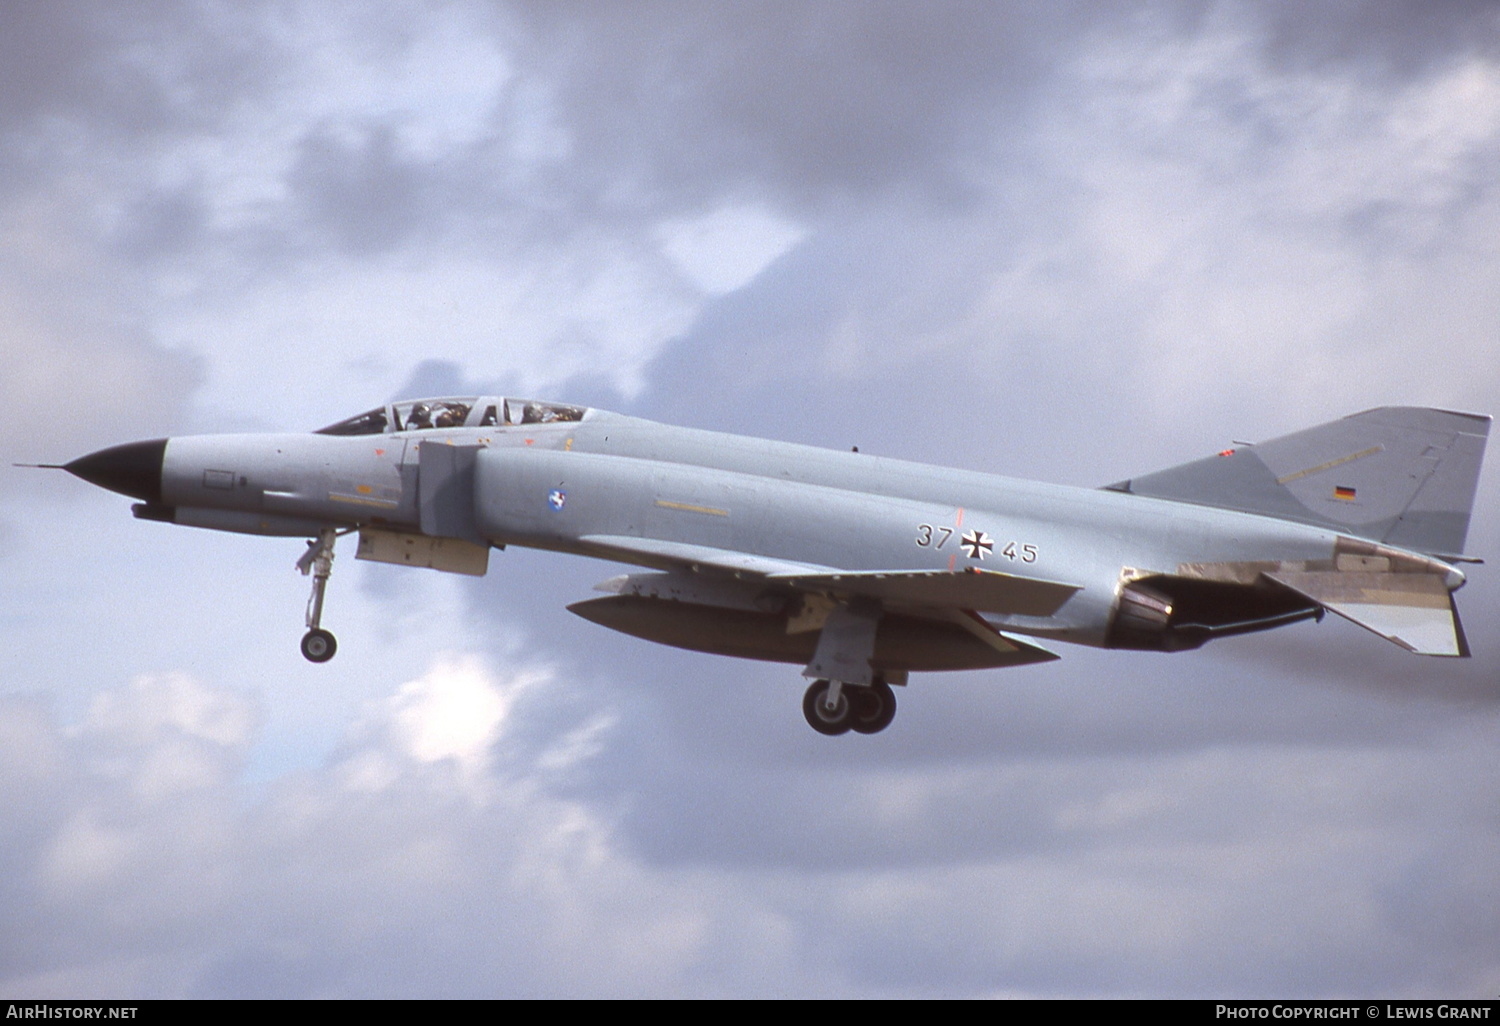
1401, 475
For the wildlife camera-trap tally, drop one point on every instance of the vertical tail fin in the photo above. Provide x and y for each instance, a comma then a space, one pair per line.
1402, 475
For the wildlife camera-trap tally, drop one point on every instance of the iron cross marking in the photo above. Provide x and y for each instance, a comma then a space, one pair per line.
977, 544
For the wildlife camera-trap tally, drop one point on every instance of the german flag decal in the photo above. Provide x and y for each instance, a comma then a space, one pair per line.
1343, 492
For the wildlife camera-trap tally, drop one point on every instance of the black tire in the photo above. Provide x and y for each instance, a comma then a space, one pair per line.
874, 708
833, 721
318, 646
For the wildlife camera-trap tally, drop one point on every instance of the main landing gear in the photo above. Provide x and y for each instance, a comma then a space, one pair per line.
833, 708
847, 691
318, 645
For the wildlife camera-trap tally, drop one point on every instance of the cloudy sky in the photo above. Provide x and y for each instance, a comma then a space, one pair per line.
1064, 241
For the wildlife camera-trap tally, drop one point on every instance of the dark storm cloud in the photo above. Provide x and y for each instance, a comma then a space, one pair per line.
164, 222
127, 74
670, 103
856, 331
103, 90
1388, 39
361, 189
674, 103
661, 107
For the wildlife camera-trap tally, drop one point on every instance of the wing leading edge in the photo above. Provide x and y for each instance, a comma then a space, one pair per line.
984, 591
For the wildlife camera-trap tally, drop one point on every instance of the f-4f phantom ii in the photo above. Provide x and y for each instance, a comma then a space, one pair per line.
859, 568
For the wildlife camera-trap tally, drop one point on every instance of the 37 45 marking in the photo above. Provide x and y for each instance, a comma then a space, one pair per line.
976, 543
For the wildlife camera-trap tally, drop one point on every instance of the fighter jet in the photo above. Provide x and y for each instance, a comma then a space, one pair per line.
861, 569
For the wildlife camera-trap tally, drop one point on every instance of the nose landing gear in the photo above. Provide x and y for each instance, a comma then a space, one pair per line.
318, 645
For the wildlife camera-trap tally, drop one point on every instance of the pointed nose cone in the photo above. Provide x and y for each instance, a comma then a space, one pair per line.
132, 469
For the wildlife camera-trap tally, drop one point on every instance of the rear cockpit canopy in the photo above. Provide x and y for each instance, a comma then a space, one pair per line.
450, 412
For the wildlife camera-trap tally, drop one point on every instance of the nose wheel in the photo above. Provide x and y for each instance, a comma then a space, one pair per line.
318, 645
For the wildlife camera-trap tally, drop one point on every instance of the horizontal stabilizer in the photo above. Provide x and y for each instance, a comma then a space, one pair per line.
1415, 611
988, 591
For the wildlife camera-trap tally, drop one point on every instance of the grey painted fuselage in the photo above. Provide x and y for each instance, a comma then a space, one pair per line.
863, 567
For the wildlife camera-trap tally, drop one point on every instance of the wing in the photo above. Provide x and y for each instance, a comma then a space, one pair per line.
726, 602
984, 591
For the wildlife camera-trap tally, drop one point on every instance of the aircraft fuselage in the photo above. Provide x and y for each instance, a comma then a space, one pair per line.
865, 568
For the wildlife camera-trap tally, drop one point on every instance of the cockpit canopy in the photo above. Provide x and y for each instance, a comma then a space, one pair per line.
451, 412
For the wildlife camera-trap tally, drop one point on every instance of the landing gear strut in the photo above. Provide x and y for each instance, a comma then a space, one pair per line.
834, 708
318, 645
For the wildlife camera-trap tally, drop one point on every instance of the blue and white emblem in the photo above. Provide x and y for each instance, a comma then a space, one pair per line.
557, 499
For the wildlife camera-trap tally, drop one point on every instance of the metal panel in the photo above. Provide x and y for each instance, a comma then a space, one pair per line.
445, 491
451, 555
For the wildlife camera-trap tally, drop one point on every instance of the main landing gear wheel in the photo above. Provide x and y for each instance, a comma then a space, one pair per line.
825, 719
873, 708
318, 645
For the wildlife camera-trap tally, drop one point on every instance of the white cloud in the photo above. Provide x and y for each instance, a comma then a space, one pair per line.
169, 734
172, 703
87, 856
726, 248
456, 711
